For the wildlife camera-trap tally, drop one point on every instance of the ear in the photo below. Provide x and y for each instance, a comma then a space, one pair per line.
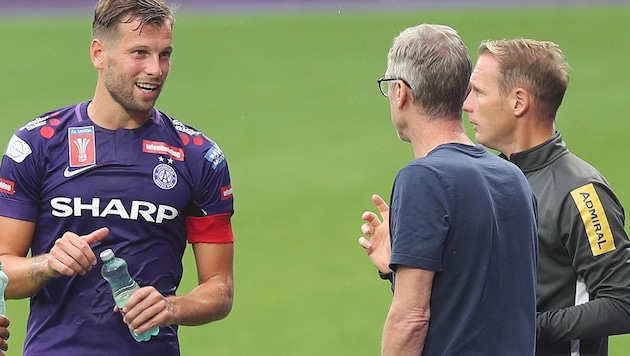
521, 102
97, 53
402, 94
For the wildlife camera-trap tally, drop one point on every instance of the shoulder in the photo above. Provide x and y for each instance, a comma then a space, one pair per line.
570, 171
48, 124
194, 142
37, 134
416, 176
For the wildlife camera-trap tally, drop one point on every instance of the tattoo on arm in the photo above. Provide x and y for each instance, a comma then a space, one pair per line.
38, 276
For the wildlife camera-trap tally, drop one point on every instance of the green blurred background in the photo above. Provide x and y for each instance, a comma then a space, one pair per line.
292, 100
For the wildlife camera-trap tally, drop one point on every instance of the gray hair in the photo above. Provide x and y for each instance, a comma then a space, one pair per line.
435, 62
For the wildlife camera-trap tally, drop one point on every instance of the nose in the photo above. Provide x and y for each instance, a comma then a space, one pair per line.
154, 67
467, 107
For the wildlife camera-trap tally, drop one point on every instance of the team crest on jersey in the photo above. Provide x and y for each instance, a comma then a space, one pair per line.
164, 176
81, 146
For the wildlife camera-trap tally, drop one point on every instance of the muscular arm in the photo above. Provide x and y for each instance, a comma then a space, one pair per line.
27, 275
212, 299
70, 255
407, 322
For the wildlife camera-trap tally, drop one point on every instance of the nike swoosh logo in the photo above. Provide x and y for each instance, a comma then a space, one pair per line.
68, 173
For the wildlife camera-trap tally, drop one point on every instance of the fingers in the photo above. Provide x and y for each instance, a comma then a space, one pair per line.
365, 243
146, 309
381, 205
375, 229
383, 209
4, 333
371, 219
367, 229
72, 254
96, 236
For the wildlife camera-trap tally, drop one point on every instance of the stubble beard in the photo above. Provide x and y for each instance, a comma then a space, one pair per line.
122, 90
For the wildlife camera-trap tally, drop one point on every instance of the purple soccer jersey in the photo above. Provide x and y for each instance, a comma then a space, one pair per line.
146, 184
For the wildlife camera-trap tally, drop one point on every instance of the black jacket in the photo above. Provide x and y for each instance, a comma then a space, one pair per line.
583, 289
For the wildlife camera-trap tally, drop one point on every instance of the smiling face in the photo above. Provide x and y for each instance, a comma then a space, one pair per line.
488, 110
135, 65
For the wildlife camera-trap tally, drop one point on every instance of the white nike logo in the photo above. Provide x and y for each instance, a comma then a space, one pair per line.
68, 173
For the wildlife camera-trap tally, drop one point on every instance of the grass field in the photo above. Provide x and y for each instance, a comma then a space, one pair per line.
292, 99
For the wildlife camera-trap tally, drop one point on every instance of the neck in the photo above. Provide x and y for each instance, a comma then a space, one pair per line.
436, 132
530, 135
113, 117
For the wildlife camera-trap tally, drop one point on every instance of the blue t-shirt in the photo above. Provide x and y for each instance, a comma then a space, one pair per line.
68, 174
470, 217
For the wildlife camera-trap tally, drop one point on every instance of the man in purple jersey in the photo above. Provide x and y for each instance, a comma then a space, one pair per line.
114, 172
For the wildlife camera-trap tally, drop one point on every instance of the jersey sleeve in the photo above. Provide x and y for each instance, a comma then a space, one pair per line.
19, 179
592, 225
209, 219
418, 230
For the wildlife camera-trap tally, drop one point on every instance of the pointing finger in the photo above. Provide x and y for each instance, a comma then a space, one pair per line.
96, 236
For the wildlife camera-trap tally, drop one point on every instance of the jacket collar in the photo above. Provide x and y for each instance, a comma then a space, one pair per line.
539, 156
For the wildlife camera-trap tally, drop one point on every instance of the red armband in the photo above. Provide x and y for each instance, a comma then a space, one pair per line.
214, 229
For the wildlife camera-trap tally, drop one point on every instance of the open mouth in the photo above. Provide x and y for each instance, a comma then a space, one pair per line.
146, 87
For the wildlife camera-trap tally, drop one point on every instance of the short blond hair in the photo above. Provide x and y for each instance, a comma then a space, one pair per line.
540, 67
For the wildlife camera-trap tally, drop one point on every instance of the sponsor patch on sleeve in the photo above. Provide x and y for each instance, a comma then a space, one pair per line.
600, 237
7, 186
226, 192
18, 149
215, 156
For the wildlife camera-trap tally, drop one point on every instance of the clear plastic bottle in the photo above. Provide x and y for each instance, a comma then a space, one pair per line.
115, 272
4, 280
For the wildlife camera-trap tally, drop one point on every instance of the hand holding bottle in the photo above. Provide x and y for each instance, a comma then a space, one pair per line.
115, 272
145, 309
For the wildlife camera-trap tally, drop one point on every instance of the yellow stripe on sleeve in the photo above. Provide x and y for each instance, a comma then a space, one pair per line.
594, 217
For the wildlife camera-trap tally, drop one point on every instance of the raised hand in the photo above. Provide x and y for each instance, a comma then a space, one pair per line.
378, 242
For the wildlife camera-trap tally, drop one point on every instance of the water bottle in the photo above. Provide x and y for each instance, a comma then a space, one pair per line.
115, 272
4, 280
